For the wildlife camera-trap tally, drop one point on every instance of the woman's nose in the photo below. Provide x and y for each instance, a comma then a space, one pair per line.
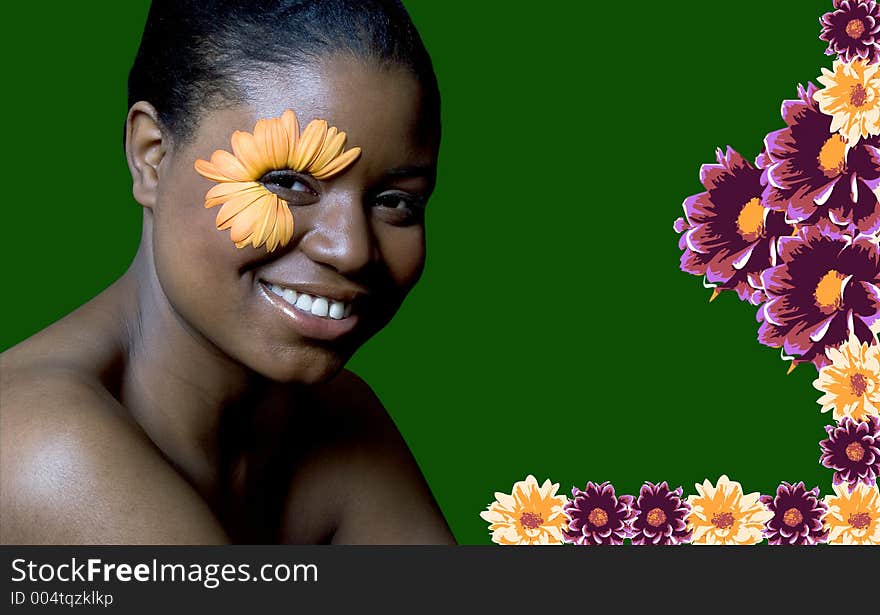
339, 234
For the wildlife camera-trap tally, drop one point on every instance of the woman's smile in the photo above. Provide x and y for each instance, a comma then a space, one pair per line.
314, 311
322, 305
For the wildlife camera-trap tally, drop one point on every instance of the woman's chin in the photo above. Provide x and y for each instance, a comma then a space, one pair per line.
306, 367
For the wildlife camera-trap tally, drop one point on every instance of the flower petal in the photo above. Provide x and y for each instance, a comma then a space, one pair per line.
249, 153
271, 137
231, 167
338, 164
222, 192
245, 223
332, 147
309, 145
291, 127
234, 206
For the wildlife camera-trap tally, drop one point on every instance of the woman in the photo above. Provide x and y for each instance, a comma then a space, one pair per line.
202, 398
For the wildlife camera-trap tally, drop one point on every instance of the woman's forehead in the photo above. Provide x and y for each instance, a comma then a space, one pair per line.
378, 107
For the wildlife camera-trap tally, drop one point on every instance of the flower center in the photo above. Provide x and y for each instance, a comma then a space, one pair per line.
829, 292
860, 520
723, 521
855, 28
832, 156
531, 520
598, 517
855, 451
656, 517
858, 384
750, 222
792, 517
858, 95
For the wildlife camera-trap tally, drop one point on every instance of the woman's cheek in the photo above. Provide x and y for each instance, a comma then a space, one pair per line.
194, 260
403, 251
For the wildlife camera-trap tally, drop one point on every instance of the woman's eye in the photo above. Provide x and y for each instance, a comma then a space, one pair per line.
290, 186
396, 203
400, 208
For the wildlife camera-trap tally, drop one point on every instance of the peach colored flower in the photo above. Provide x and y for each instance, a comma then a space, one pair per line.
851, 97
723, 515
254, 214
530, 515
853, 518
851, 382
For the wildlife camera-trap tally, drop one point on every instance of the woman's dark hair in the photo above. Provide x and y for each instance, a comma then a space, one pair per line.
192, 50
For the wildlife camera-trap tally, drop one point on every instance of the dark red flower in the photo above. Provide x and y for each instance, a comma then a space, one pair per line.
825, 288
814, 176
851, 30
797, 516
728, 234
660, 516
598, 516
852, 450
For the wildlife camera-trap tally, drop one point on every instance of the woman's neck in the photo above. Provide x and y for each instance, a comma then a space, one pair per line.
180, 388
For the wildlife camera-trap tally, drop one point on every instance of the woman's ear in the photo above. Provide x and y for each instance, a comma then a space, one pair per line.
145, 146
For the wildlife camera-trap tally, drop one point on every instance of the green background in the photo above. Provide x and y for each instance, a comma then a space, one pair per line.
552, 333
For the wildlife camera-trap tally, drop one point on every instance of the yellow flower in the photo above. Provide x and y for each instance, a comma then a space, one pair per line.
851, 382
722, 515
851, 96
254, 214
853, 518
531, 515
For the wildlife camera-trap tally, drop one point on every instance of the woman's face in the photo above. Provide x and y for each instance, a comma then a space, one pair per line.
359, 237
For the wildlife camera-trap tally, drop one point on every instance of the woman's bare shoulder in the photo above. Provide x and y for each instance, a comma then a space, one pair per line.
365, 473
74, 469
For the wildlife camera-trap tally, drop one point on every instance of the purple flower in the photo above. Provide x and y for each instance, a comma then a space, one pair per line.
598, 517
853, 451
660, 516
814, 176
825, 289
797, 516
851, 30
728, 234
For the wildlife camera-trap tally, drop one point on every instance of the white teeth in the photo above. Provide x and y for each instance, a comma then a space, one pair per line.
290, 295
304, 302
320, 307
337, 309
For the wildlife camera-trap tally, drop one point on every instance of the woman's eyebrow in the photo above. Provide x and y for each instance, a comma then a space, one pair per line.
411, 171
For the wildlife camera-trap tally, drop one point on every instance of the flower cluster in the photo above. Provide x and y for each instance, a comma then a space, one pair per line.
796, 232
718, 514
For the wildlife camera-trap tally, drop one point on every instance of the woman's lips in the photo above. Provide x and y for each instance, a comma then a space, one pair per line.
313, 316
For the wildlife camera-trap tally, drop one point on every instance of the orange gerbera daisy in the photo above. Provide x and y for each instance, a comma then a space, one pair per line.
531, 515
253, 213
723, 515
851, 382
853, 518
851, 96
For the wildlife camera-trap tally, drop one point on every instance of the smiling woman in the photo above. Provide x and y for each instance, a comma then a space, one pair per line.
202, 398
